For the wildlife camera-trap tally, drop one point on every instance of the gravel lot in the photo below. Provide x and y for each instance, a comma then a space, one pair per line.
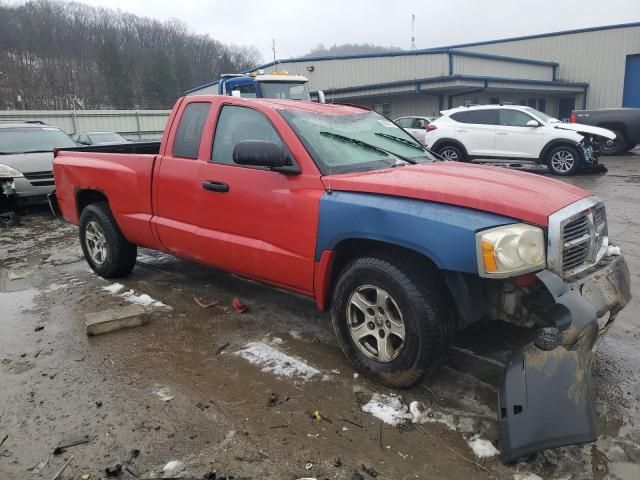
195, 384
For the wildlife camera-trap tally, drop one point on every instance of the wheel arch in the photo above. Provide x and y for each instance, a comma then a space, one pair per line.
557, 142
449, 141
88, 196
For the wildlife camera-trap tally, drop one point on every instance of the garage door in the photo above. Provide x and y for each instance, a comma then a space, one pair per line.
631, 96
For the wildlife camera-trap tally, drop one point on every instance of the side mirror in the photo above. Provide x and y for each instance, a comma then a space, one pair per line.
533, 123
260, 153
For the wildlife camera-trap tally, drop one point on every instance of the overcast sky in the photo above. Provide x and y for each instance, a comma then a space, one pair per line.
300, 25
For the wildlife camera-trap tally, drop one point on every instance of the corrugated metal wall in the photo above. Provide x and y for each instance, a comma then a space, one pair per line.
498, 68
597, 57
130, 123
351, 72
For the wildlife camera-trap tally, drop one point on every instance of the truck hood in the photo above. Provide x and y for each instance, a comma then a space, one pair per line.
29, 162
585, 130
523, 196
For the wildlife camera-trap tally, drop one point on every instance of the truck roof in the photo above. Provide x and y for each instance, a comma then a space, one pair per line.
277, 104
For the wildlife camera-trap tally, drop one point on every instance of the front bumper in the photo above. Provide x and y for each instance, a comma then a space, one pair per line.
32, 194
547, 398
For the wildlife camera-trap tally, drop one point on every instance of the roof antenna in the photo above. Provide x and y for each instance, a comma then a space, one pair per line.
413, 31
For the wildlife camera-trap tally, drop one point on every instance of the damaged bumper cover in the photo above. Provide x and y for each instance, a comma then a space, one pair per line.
547, 398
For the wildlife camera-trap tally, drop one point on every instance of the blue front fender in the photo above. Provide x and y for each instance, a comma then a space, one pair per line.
443, 233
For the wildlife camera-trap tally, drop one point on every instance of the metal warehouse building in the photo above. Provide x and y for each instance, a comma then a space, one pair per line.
554, 72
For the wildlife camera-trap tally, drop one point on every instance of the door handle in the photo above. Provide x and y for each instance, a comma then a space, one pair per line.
502, 133
462, 131
215, 186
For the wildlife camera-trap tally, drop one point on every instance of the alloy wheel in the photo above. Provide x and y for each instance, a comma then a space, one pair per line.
375, 323
563, 161
95, 242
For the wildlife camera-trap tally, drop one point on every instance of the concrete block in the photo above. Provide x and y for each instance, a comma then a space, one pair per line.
115, 319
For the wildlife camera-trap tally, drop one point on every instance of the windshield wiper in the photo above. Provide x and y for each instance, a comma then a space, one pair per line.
404, 141
38, 151
366, 145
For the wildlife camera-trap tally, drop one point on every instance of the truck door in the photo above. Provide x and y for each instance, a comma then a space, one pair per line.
514, 138
176, 189
254, 221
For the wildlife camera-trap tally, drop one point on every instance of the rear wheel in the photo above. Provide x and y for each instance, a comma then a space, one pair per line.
106, 250
390, 319
452, 153
616, 146
563, 160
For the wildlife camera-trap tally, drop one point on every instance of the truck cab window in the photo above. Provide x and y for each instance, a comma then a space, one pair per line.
187, 142
236, 124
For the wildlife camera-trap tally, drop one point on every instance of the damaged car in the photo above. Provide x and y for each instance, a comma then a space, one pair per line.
516, 133
341, 205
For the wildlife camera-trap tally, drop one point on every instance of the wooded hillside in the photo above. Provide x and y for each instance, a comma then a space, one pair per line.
54, 55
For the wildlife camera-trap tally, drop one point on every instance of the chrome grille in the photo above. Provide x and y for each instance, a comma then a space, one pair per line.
40, 179
577, 237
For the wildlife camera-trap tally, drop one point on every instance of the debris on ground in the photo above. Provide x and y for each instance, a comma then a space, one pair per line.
40, 466
57, 475
316, 415
114, 471
99, 404
164, 393
203, 304
356, 476
221, 348
173, 467
275, 400
369, 471
238, 305
337, 463
4, 440
115, 319
202, 406
38, 328
60, 449
86, 476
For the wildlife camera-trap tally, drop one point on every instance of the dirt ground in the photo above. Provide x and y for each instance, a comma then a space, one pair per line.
194, 384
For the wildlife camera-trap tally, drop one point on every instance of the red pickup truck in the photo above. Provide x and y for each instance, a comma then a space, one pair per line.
340, 204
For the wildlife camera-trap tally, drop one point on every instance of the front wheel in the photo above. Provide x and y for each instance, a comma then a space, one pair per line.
563, 160
390, 319
452, 153
106, 250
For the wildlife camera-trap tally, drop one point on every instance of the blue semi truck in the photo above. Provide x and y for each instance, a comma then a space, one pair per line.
260, 85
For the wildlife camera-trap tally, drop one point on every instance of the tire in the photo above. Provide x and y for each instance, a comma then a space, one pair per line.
9, 219
564, 160
106, 250
416, 296
617, 146
452, 153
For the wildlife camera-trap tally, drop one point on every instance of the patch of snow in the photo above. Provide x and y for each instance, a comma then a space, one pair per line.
274, 361
482, 448
526, 476
173, 468
164, 393
142, 299
277, 341
421, 414
113, 288
388, 408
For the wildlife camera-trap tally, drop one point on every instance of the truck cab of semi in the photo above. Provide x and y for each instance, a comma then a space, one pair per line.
278, 85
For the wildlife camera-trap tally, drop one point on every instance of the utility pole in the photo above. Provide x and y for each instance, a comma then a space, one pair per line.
413, 31
273, 47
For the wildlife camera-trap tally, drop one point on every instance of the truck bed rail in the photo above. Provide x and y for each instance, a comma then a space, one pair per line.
152, 148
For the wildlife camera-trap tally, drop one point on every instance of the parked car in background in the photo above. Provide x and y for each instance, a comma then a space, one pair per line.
517, 133
26, 154
624, 122
99, 138
416, 126
402, 248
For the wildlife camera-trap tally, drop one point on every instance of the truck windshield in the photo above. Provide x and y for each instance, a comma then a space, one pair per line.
376, 142
285, 90
32, 139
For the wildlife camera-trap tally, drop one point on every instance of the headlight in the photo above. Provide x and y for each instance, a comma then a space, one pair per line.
510, 250
7, 171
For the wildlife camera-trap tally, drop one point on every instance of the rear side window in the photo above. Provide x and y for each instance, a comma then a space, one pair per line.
187, 142
236, 124
405, 122
480, 117
514, 118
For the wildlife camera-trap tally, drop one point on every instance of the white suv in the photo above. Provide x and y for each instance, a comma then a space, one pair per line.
515, 132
